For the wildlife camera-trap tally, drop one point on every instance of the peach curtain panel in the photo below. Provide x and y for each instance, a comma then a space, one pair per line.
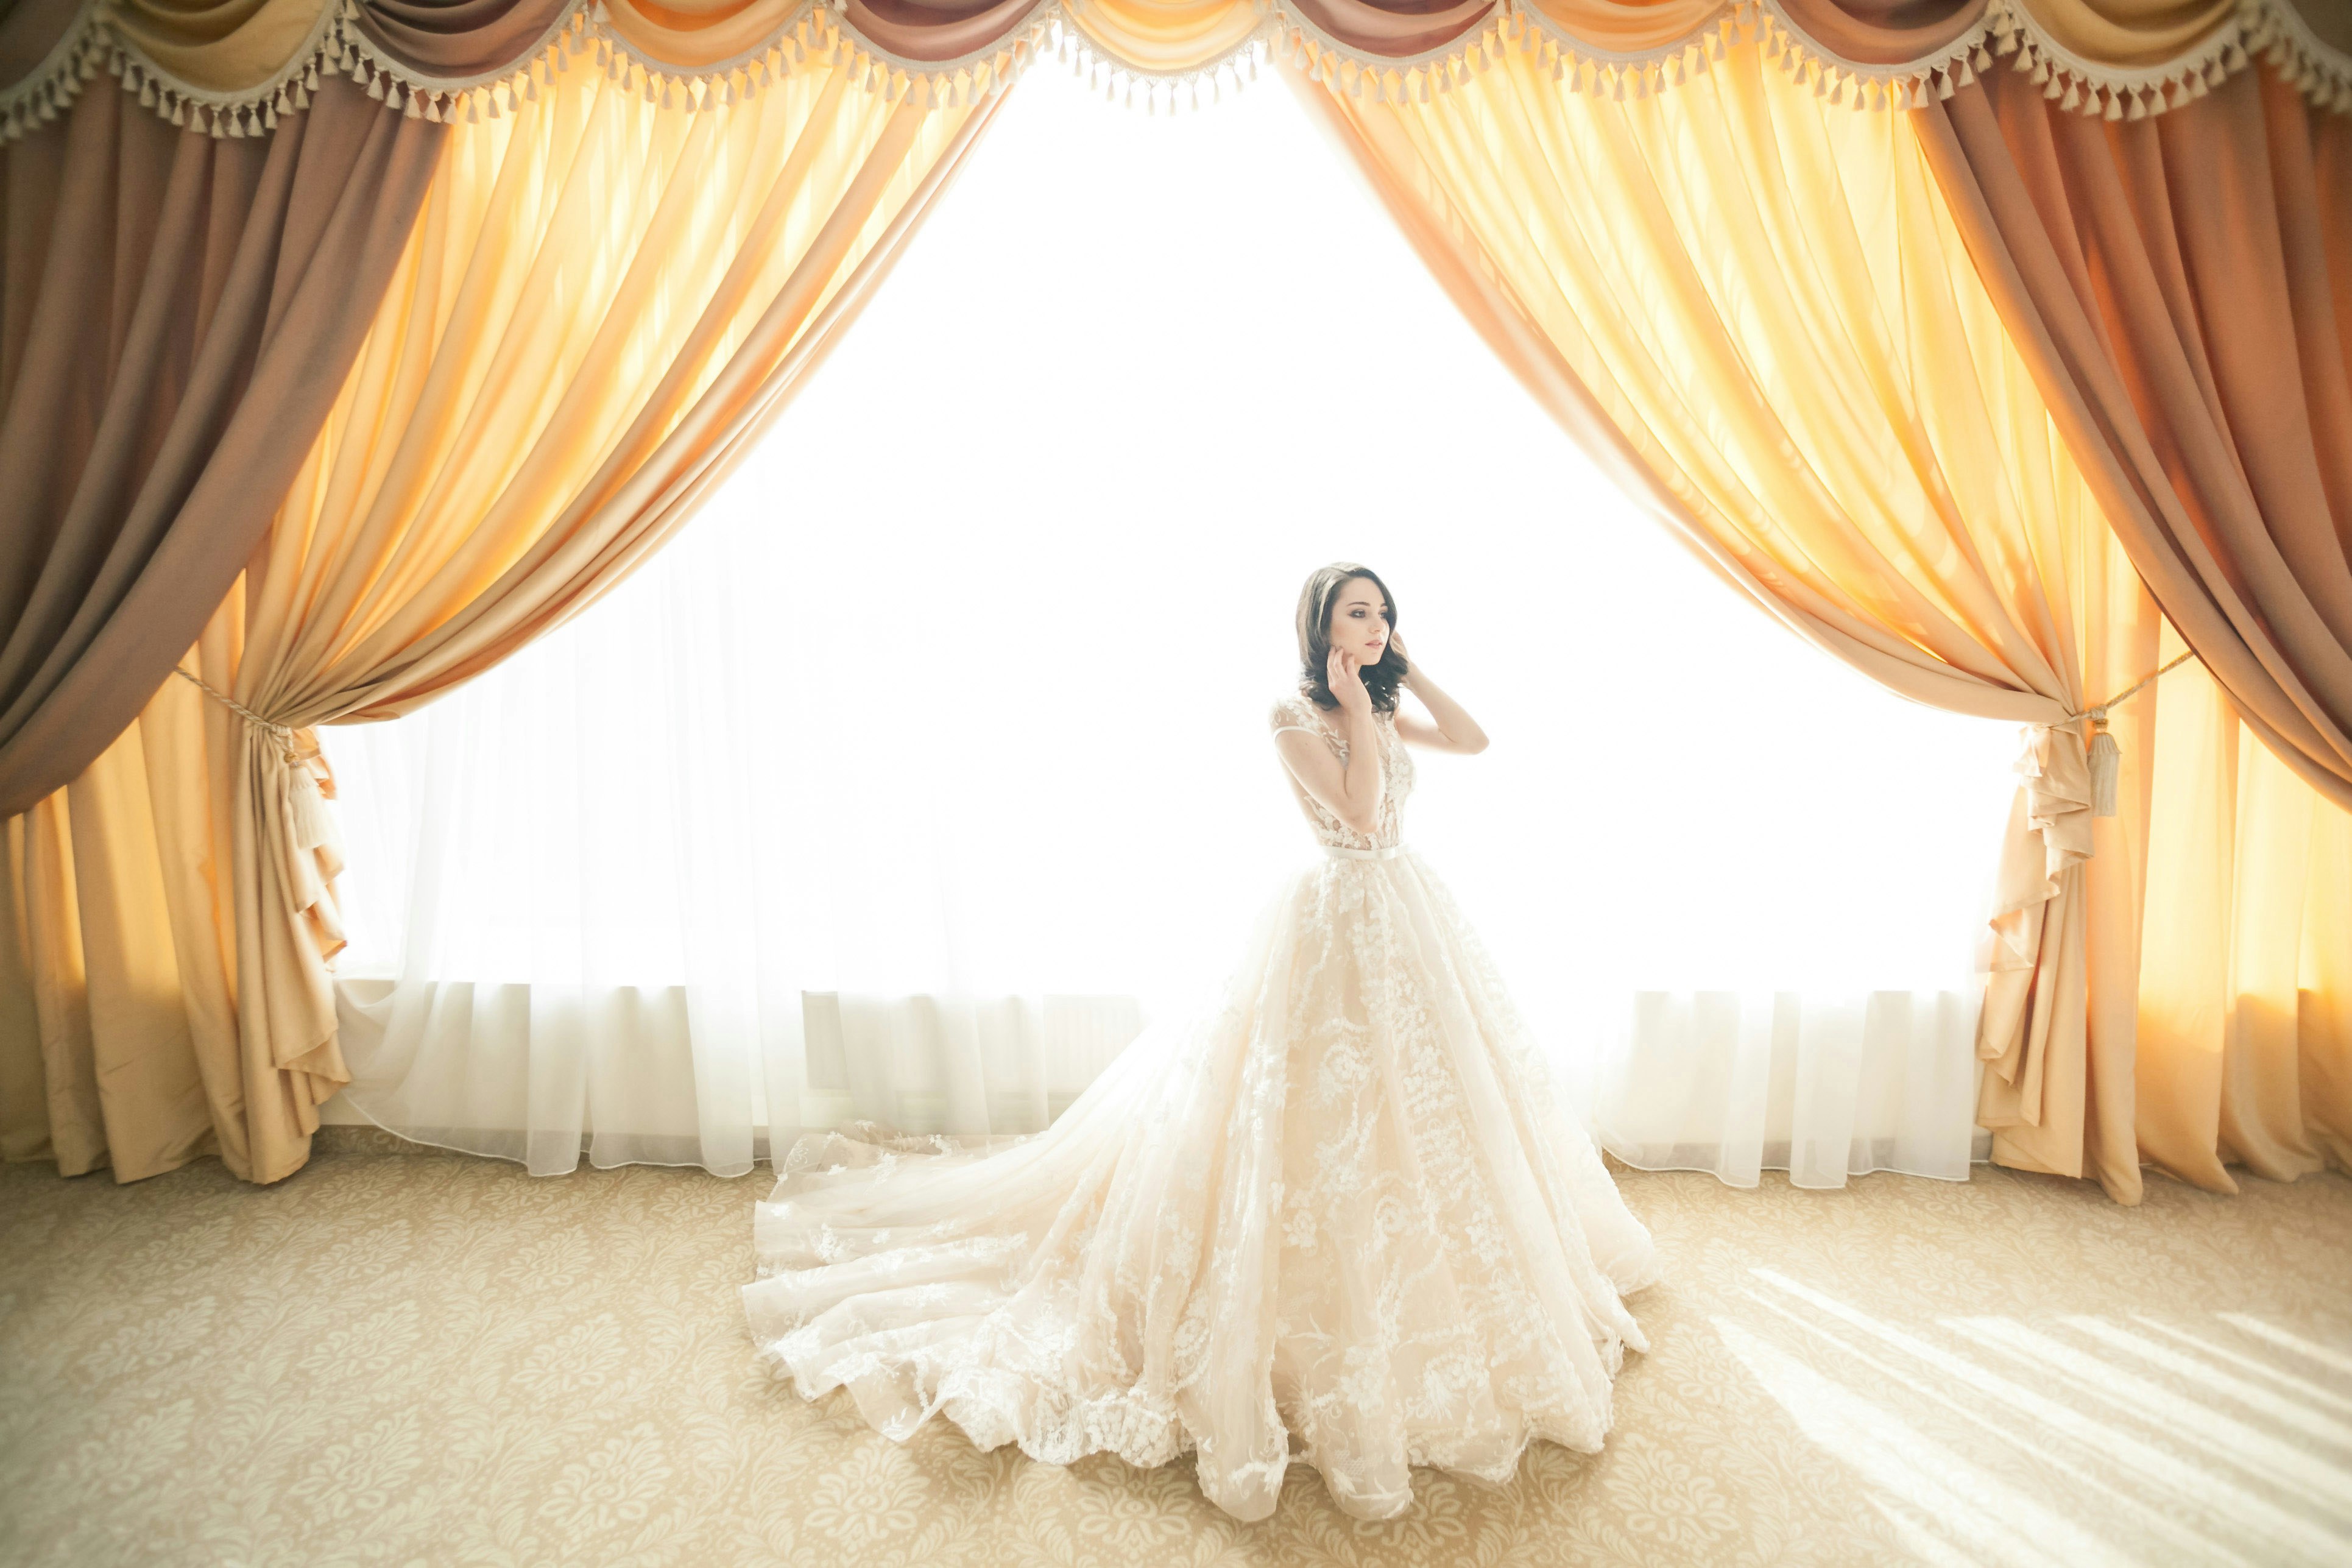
103, 995
601, 307
2245, 998
1758, 310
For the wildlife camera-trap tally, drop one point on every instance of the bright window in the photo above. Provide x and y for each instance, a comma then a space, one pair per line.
963, 678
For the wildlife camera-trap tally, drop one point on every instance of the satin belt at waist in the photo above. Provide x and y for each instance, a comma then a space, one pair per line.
1342, 852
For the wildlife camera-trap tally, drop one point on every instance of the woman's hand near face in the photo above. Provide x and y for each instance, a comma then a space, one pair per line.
1345, 676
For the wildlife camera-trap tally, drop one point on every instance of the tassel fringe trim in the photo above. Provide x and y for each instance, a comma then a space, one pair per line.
817, 34
1580, 67
2320, 74
1910, 84
2268, 30
2112, 92
1158, 92
449, 99
1396, 80
48, 88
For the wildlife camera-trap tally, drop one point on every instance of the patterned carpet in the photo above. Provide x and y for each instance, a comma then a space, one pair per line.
418, 1358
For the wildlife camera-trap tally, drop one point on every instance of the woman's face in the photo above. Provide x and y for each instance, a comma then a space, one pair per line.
1360, 621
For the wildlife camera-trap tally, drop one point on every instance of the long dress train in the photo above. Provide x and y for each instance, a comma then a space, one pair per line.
1339, 1217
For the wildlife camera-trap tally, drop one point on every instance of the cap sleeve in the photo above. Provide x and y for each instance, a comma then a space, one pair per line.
1291, 713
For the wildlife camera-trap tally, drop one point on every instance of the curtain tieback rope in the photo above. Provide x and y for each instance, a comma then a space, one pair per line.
2106, 757
302, 800
282, 734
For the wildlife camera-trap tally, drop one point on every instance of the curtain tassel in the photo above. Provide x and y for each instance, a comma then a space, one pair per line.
2106, 760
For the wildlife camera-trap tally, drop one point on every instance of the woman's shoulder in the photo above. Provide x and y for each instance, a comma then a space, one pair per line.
1295, 711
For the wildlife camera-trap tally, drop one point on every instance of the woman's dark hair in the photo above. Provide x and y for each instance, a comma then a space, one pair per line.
1315, 602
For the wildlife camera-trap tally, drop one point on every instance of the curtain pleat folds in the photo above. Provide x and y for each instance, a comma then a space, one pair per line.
2246, 997
2182, 290
2179, 288
119, 1040
600, 306
176, 312
1759, 311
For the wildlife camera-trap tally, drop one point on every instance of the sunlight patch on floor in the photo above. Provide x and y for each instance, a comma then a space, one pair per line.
2067, 1439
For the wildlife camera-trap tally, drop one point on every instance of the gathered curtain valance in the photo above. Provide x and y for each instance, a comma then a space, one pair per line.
233, 67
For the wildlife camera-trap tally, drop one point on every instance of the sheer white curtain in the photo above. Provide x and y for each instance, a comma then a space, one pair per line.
932, 758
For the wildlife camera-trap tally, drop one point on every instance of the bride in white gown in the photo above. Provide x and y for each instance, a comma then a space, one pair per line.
1341, 1217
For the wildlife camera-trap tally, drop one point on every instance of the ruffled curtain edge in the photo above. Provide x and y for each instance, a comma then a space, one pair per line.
2268, 30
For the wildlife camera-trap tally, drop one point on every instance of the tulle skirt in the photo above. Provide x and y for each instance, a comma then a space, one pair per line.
1338, 1217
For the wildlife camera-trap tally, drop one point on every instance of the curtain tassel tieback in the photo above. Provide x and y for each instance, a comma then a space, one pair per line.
2106, 757
303, 792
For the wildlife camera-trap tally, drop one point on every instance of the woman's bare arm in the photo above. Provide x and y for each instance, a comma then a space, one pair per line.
1453, 729
1351, 791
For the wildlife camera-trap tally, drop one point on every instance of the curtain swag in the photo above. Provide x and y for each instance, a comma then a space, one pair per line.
234, 76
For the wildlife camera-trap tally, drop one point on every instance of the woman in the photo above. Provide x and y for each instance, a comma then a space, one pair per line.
1341, 1217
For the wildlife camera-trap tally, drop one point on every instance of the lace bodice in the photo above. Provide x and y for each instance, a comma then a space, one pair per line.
1299, 713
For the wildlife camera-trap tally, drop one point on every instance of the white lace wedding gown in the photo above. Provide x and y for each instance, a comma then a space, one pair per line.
1340, 1219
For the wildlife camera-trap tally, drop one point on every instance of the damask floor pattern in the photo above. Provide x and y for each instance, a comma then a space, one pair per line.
416, 1358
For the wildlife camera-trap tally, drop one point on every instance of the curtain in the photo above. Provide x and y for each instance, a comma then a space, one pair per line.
604, 304
2245, 986
718, 923
111, 1007
175, 310
2183, 290
1823, 1086
601, 304
1756, 307
172, 310
2183, 287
